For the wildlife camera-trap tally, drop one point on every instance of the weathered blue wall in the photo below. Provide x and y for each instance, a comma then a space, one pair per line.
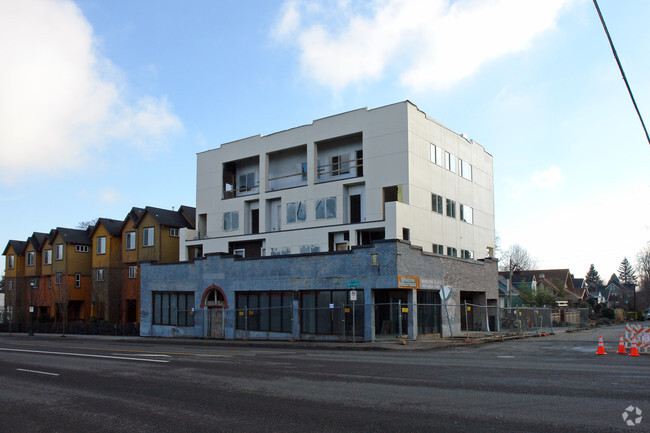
320, 271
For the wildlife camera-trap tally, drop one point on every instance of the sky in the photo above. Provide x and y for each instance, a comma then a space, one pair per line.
104, 104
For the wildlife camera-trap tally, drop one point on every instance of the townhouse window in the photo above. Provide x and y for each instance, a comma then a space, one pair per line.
173, 233
11, 263
173, 308
10, 285
130, 241
100, 275
450, 162
451, 208
57, 278
133, 272
49, 283
326, 208
466, 170
296, 211
438, 249
47, 257
231, 221
81, 248
101, 245
436, 155
147, 237
30, 258
466, 214
59, 252
264, 311
77, 280
466, 254
453, 252
436, 203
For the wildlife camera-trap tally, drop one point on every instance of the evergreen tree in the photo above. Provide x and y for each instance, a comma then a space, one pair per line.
592, 279
626, 272
613, 279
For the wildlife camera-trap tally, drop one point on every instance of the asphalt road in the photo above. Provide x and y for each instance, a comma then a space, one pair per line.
550, 384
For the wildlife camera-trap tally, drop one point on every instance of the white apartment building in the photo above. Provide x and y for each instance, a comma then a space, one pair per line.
385, 173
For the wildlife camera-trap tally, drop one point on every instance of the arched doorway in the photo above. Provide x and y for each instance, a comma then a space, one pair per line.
215, 302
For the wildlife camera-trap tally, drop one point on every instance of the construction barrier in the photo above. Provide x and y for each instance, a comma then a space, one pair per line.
641, 335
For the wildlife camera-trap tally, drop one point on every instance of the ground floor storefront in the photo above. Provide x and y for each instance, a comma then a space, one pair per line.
387, 290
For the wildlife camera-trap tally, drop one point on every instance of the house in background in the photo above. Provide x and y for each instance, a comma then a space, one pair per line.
509, 292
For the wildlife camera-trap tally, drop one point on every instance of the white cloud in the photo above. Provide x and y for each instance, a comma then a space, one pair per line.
432, 44
61, 99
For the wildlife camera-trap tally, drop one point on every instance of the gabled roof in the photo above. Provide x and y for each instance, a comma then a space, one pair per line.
133, 215
113, 227
168, 218
578, 283
189, 213
37, 240
18, 246
72, 236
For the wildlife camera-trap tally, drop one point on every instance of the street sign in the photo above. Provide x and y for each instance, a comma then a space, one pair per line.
353, 284
353, 295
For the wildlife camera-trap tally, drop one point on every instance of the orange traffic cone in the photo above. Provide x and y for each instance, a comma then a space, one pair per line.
634, 351
601, 347
621, 347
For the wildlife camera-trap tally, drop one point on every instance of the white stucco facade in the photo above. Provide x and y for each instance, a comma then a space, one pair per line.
342, 181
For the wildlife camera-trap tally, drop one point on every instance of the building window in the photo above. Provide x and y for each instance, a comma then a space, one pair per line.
59, 252
10, 285
77, 280
466, 170
101, 245
326, 208
246, 182
340, 165
264, 311
453, 252
230, 221
147, 237
296, 211
57, 278
450, 162
436, 203
11, 263
406, 234
438, 249
81, 248
100, 275
466, 254
130, 240
47, 257
325, 312
173, 233
436, 155
303, 171
466, 214
30, 258
133, 272
173, 309
451, 208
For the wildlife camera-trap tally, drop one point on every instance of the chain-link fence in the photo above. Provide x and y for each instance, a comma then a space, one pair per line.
96, 328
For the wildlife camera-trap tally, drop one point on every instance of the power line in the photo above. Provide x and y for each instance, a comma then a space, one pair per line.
629, 90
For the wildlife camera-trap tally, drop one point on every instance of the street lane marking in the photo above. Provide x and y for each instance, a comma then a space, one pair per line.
505, 356
123, 350
85, 355
153, 355
38, 372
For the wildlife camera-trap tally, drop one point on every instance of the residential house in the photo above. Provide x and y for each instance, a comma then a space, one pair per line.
15, 301
71, 268
107, 270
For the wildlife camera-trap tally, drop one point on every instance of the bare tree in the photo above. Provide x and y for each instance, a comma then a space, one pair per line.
516, 258
83, 225
643, 268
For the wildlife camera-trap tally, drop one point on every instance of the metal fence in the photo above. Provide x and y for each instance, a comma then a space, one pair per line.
97, 328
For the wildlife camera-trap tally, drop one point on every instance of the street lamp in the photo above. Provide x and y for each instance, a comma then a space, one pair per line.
31, 308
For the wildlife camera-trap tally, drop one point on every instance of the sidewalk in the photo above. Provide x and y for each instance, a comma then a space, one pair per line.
378, 345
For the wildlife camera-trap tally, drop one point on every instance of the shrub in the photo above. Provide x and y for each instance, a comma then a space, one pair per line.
608, 313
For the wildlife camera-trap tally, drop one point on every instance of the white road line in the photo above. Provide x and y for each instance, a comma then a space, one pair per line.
505, 356
38, 372
83, 355
146, 354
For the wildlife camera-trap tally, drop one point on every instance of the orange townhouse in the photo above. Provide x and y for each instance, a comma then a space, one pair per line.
106, 296
44, 310
35, 292
71, 267
15, 304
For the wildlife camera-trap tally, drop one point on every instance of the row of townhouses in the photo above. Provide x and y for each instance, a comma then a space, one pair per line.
74, 275
367, 224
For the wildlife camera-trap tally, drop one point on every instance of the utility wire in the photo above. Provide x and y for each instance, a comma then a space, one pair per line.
611, 44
